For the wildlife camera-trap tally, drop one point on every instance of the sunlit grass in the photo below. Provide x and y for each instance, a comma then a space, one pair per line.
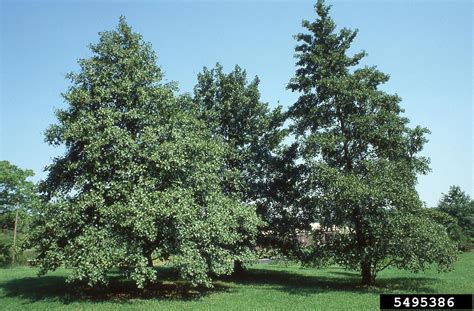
264, 287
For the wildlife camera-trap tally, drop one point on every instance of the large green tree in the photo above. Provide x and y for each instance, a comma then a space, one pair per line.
18, 195
253, 133
140, 178
362, 160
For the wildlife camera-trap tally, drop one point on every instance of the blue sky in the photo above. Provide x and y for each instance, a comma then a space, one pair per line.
426, 47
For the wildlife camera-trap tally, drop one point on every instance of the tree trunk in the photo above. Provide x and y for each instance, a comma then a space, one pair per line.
14, 238
149, 261
367, 273
148, 283
238, 267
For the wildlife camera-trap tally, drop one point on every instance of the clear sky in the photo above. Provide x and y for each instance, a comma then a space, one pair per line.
426, 47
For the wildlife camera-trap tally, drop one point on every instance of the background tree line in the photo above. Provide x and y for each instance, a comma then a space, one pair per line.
199, 180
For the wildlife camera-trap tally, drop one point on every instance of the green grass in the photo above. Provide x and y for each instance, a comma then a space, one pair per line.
264, 287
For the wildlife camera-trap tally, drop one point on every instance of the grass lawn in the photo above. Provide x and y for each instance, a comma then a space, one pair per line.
265, 287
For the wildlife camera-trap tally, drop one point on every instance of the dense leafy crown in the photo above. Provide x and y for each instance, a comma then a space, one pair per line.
141, 176
253, 135
460, 207
233, 109
15, 188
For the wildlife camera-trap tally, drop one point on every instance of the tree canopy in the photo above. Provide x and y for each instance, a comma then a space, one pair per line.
141, 176
253, 134
457, 204
232, 108
18, 195
362, 159
16, 190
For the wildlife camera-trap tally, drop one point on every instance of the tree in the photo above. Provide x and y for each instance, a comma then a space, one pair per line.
17, 197
457, 204
253, 132
233, 109
140, 178
362, 160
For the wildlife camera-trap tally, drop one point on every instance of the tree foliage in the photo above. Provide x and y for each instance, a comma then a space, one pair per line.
140, 179
233, 110
362, 160
18, 195
457, 204
16, 190
253, 134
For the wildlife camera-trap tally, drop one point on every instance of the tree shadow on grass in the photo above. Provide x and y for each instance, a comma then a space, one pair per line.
118, 290
415, 283
170, 287
299, 284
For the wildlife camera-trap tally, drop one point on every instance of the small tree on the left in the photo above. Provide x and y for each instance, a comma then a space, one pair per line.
140, 179
17, 197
